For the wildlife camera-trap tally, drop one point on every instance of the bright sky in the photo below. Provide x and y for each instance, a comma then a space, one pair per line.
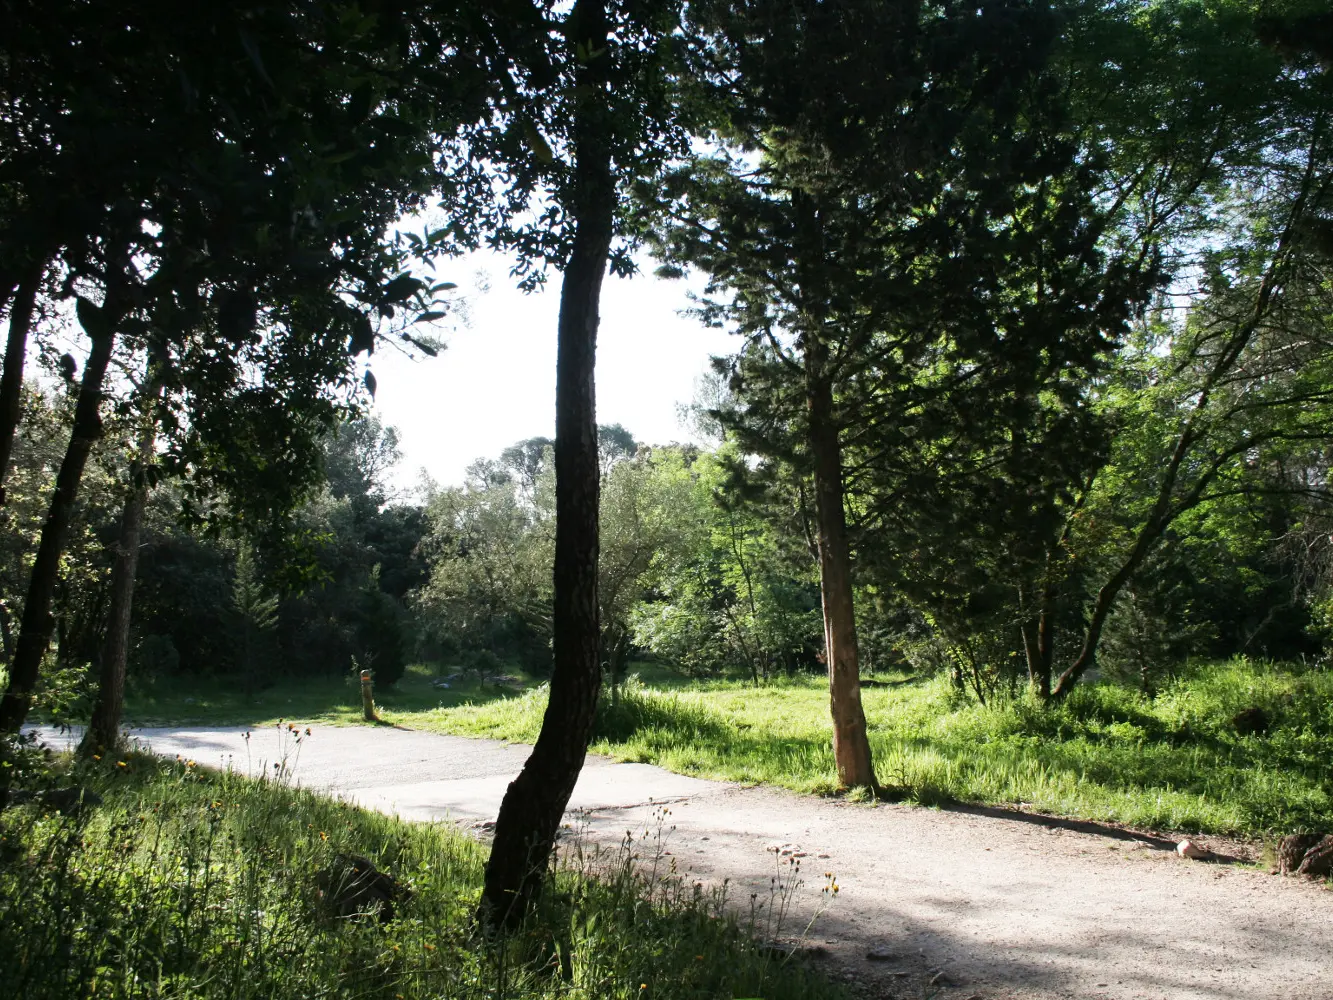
495, 384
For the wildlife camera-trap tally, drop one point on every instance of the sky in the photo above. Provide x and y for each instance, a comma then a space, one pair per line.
495, 383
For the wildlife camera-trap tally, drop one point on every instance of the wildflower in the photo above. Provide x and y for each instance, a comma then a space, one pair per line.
323, 835
307, 730
121, 763
430, 947
97, 756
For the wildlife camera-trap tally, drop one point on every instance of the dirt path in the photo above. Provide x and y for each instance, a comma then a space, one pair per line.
985, 903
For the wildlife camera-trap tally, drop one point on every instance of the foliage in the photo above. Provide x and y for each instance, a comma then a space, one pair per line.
734, 595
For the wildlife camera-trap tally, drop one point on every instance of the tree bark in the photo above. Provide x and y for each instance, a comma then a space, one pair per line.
851, 746
535, 801
103, 732
1037, 629
37, 623
11, 382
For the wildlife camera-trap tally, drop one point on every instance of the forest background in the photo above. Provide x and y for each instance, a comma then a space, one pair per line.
1031, 388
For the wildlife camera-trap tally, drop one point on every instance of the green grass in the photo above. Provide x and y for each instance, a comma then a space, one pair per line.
189, 883
1172, 762
332, 701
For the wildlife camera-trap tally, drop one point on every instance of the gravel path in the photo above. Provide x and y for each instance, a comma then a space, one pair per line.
972, 903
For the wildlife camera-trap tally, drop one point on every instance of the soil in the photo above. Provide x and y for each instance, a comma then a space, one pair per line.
957, 903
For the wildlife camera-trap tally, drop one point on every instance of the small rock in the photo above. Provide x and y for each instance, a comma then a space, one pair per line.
1189, 849
880, 955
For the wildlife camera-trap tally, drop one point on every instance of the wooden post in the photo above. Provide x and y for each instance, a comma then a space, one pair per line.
367, 698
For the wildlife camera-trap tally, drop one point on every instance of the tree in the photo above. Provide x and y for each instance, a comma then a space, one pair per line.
616, 125
734, 591
490, 552
102, 734
1245, 378
256, 614
222, 238
856, 220
645, 527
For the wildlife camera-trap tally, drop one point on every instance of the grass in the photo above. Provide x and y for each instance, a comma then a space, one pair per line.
1173, 762
330, 701
192, 883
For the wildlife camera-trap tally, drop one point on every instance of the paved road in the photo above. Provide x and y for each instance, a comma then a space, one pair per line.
1006, 905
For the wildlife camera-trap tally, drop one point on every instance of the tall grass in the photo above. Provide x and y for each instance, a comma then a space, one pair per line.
188, 883
1174, 761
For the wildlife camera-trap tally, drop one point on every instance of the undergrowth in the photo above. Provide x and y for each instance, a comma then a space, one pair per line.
1174, 761
191, 883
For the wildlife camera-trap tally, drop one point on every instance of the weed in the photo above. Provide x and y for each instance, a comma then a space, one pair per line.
190, 882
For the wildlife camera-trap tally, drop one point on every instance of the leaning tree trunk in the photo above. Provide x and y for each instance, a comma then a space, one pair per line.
851, 746
535, 801
11, 382
104, 728
37, 623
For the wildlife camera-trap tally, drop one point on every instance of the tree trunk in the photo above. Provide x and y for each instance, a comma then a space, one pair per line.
535, 801
11, 382
1038, 628
851, 747
37, 623
104, 728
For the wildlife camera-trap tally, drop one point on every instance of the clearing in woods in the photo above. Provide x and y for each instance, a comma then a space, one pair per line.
960, 902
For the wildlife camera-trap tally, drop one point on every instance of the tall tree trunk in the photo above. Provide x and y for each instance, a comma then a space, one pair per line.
104, 728
851, 746
37, 623
535, 801
11, 382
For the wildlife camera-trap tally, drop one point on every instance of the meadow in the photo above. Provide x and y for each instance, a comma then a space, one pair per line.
186, 882
1174, 761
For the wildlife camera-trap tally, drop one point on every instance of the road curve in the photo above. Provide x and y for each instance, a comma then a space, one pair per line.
982, 903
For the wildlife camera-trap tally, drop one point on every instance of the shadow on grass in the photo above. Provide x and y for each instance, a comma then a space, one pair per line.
217, 701
1107, 754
